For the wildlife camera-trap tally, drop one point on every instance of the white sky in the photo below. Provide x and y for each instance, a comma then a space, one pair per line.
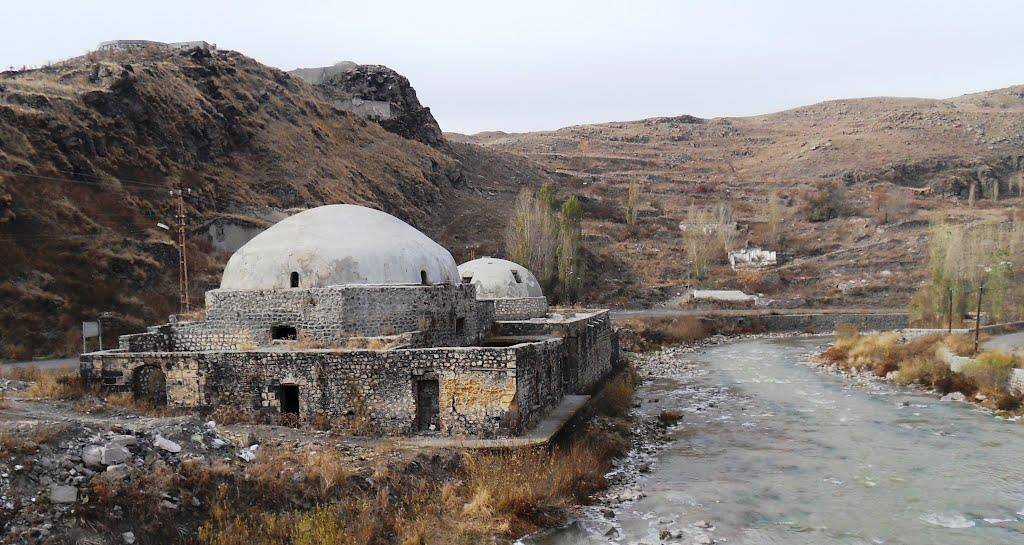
529, 65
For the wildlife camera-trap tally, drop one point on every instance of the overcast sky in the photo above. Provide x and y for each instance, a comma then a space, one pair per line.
530, 65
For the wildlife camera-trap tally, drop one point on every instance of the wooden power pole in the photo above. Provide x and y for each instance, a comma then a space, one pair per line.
977, 317
183, 302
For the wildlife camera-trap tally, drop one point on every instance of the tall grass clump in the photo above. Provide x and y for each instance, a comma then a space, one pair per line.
991, 371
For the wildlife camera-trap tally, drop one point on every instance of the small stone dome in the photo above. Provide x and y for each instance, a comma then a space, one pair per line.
500, 279
339, 244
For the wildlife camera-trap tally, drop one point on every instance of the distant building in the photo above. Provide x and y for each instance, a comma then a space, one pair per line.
129, 45
752, 258
345, 312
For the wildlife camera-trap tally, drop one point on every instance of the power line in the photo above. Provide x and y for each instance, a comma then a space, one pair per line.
94, 179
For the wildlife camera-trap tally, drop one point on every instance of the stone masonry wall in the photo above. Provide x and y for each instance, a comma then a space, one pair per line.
1017, 380
446, 315
520, 308
484, 392
590, 345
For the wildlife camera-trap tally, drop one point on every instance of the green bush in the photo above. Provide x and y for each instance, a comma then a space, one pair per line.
991, 372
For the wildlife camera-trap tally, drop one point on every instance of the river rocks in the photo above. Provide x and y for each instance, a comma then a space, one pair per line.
954, 396
62, 493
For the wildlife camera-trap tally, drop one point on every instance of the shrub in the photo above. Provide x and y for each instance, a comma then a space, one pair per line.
827, 202
657, 332
990, 371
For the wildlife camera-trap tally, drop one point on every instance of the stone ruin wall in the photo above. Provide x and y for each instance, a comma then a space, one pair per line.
590, 343
243, 319
520, 308
484, 392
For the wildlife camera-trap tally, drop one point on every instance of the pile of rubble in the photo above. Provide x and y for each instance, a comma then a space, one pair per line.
47, 467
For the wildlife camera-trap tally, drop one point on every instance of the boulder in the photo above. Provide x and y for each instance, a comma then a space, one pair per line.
62, 493
163, 443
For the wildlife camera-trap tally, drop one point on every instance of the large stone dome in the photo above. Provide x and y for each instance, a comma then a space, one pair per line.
500, 279
336, 245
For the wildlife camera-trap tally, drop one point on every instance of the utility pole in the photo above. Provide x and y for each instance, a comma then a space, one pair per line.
183, 302
950, 293
977, 317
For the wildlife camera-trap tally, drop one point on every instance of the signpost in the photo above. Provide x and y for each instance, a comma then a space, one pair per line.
91, 329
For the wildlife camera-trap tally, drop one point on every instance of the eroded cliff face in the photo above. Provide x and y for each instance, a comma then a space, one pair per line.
378, 93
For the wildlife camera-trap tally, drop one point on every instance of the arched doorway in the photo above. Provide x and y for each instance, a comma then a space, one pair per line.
149, 384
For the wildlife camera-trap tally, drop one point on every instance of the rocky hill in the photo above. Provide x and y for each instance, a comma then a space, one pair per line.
90, 148
378, 93
925, 155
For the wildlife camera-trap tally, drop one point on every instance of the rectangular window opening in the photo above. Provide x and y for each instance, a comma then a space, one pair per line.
283, 333
460, 326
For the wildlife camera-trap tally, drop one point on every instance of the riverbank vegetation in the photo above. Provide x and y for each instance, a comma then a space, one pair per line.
924, 361
453, 497
964, 258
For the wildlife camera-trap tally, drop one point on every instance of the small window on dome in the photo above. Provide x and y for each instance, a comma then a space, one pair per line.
295, 279
467, 279
423, 278
515, 274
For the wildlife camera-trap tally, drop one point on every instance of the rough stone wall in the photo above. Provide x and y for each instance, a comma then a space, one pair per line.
446, 315
590, 344
520, 308
1017, 380
811, 323
484, 391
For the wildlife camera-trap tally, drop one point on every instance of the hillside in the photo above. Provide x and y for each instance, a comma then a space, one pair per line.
90, 148
923, 154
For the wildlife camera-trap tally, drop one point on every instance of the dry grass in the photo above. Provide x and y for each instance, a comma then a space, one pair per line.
57, 384
28, 374
653, 333
23, 442
991, 371
916, 361
466, 498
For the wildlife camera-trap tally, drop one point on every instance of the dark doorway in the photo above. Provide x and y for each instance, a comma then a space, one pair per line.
295, 279
289, 398
460, 326
150, 385
428, 408
283, 332
423, 278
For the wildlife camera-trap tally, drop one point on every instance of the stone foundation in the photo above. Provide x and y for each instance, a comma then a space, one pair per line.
482, 391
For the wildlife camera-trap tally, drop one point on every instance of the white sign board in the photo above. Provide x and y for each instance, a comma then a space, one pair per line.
90, 329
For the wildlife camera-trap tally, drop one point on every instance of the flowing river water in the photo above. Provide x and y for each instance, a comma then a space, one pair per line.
773, 450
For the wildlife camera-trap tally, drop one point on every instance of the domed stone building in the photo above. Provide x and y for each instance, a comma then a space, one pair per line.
512, 288
348, 312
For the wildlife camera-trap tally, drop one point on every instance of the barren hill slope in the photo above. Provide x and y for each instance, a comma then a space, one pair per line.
89, 150
902, 145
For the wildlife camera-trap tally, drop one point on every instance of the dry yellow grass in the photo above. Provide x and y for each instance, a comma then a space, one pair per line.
59, 384
484, 498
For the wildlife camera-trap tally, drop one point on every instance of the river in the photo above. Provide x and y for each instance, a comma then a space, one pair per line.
773, 450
